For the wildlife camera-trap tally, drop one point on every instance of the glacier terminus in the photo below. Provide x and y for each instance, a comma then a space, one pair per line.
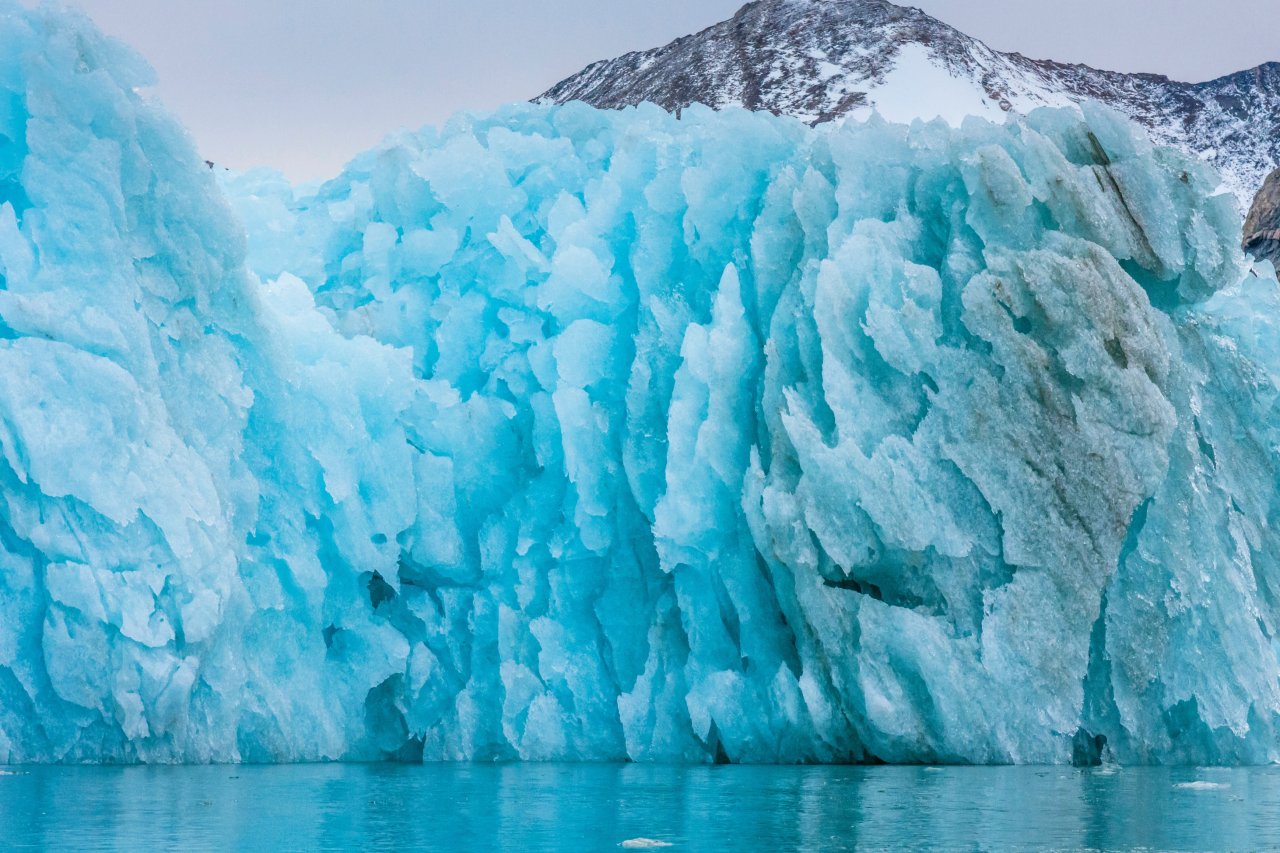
570, 434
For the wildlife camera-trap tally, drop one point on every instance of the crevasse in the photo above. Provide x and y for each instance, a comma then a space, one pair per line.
567, 434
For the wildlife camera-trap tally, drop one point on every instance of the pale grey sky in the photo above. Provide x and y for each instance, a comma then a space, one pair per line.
305, 84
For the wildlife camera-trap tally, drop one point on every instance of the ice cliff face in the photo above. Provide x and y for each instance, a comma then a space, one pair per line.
820, 60
567, 434
193, 464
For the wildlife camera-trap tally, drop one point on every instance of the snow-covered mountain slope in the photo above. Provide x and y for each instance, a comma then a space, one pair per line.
821, 60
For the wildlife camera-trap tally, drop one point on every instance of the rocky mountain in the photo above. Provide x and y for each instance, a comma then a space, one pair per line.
824, 60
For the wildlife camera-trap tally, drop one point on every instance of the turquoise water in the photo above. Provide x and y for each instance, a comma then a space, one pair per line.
572, 808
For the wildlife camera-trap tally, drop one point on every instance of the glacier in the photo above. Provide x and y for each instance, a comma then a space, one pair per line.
565, 434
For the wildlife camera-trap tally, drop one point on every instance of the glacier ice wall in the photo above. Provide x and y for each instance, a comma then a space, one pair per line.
565, 434
198, 472
767, 444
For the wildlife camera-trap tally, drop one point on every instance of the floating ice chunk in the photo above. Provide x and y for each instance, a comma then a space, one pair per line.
644, 844
1201, 785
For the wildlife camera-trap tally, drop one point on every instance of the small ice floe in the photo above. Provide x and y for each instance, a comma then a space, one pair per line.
643, 844
1201, 786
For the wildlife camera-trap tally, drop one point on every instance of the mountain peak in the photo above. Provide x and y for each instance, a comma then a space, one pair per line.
822, 60
807, 58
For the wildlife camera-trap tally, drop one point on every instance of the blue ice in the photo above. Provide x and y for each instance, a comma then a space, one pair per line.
566, 434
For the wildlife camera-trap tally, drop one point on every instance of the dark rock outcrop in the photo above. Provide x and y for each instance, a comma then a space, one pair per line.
1262, 227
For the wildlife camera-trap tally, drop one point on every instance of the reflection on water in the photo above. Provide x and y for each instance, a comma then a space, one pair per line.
597, 807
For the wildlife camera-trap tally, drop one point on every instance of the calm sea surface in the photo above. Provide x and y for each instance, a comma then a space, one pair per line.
572, 808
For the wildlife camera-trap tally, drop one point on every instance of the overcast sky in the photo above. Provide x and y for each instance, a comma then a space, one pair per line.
305, 84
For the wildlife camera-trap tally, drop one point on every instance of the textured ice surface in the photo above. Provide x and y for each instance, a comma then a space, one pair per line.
564, 434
